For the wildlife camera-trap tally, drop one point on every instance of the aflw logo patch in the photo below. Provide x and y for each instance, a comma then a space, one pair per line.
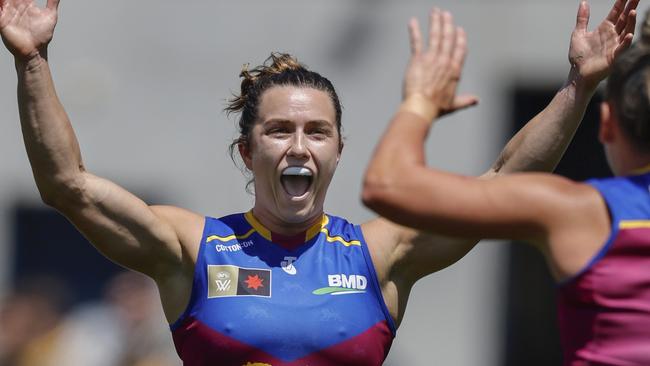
227, 280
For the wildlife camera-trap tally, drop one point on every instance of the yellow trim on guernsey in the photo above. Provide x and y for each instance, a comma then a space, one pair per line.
319, 227
266, 233
642, 170
229, 237
634, 224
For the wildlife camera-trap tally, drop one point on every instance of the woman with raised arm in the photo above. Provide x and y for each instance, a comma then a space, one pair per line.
284, 283
595, 235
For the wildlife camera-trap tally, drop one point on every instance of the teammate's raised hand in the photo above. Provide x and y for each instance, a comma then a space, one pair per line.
434, 70
26, 29
592, 53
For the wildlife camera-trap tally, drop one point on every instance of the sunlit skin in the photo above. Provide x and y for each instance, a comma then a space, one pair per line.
296, 127
163, 241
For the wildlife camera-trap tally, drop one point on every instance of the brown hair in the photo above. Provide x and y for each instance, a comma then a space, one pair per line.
628, 88
279, 69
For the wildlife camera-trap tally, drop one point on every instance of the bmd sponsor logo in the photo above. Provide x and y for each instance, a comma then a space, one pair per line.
341, 284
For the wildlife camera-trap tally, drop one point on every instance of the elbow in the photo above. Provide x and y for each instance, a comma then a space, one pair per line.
375, 191
60, 193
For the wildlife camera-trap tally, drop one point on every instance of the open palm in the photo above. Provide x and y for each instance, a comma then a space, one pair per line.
26, 29
592, 53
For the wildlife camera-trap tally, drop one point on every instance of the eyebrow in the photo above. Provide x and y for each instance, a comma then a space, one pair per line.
287, 121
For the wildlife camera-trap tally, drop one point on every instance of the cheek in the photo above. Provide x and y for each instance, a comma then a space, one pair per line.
329, 157
267, 153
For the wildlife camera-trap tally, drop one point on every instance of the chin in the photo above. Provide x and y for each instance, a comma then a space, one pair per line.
299, 212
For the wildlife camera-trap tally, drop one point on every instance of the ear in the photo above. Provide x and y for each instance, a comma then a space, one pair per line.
607, 130
246, 155
338, 156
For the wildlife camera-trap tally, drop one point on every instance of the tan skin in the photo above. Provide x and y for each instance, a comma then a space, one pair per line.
162, 241
567, 221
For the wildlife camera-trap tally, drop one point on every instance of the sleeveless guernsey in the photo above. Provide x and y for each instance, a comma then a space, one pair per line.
256, 303
604, 311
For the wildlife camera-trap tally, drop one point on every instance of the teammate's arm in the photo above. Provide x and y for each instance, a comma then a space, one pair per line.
119, 224
540, 144
399, 186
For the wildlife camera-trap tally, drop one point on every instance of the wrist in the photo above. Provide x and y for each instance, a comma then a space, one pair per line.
32, 61
584, 88
420, 105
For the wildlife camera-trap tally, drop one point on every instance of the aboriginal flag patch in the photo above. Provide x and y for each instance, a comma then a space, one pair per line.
227, 280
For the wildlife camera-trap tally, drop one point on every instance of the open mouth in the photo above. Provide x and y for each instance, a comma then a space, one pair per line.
296, 180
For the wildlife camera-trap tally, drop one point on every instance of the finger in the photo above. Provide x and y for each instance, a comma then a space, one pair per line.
461, 102
460, 50
625, 44
630, 24
464, 101
415, 38
52, 4
616, 11
582, 20
448, 37
435, 29
621, 23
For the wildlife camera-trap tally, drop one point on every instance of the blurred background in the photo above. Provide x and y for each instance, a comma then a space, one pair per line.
145, 83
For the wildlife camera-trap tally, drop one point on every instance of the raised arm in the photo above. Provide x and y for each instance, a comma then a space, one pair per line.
393, 186
540, 144
430, 91
399, 186
119, 224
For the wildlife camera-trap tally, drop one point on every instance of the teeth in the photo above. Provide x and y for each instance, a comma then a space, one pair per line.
297, 170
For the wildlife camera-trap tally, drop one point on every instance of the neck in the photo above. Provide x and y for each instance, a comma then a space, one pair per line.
633, 163
288, 229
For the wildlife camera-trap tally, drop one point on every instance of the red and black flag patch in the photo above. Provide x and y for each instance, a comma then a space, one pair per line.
227, 280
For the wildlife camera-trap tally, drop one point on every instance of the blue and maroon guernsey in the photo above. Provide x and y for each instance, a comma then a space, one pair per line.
256, 303
604, 311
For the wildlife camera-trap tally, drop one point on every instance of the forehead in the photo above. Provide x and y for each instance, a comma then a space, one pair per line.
296, 104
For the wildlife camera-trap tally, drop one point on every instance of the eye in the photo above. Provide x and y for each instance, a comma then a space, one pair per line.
278, 131
320, 132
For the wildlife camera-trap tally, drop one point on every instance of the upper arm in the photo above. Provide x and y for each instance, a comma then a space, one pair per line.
125, 229
518, 206
410, 254
402, 255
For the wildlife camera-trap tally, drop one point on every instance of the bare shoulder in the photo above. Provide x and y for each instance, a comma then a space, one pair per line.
187, 224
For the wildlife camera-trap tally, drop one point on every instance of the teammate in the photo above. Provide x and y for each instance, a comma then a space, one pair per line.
283, 283
595, 235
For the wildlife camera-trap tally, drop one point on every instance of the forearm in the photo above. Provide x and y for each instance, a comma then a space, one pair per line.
540, 144
400, 152
51, 145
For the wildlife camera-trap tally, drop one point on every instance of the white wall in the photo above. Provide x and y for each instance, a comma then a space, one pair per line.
145, 81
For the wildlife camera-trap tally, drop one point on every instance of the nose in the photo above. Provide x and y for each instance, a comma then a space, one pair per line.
298, 148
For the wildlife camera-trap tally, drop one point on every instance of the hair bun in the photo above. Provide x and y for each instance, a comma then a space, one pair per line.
275, 64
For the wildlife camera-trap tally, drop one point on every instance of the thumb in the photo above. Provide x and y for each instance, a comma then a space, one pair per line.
52, 4
461, 102
582, 19
464, 101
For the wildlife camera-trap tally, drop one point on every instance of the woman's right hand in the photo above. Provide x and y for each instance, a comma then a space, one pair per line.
27, 29
434, 70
